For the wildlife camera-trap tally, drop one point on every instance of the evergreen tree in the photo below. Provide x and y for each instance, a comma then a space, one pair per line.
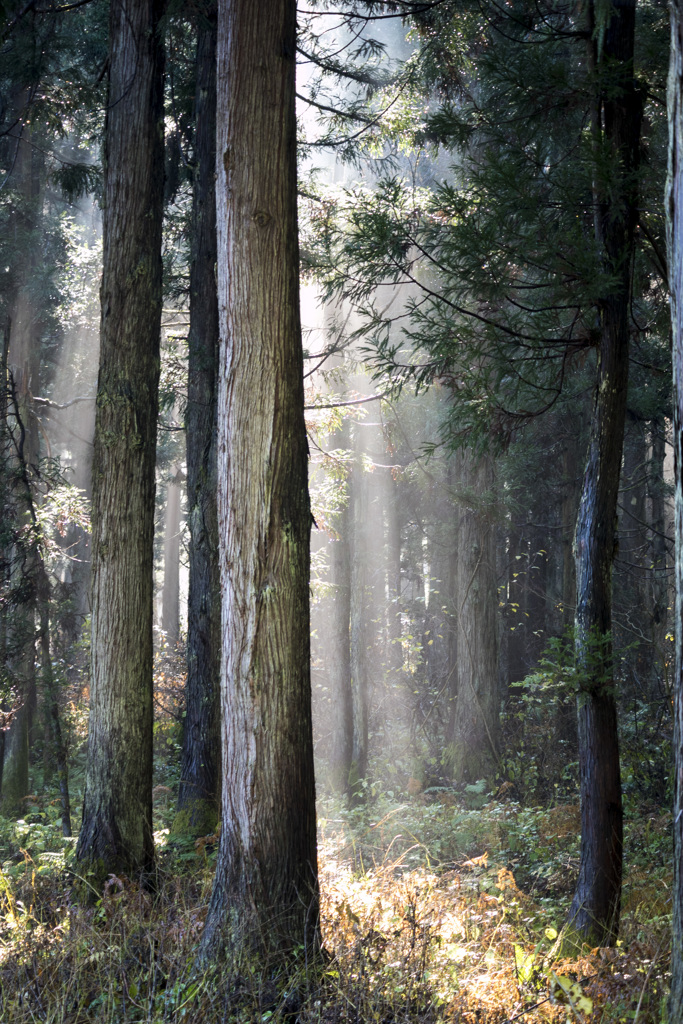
521, 263
116, 833
199, 793
265, 892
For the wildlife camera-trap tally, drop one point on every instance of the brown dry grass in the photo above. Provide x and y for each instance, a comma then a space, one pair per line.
403, 943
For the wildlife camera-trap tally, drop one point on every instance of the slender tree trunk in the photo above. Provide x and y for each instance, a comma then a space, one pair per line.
359, 639
6, 530
170, 593
23, 364
631, 594
116, 834
658, 602
51, 697
265, 893
674, 231
394, 658
568, 519
594, 913
200, 784
339, 658
475, 723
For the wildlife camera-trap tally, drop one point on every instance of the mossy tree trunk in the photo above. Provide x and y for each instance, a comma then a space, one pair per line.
265, 893
116, 833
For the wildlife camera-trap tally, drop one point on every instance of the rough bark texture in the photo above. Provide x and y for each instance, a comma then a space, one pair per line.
116, 833
265, 893
475, 721
199, 791
674, 225
594, 913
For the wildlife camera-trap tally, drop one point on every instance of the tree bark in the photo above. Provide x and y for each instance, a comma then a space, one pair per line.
475, 723
265, 893
54, 738
170, 593
674, 231
200, 785
116, 834
359, 632
594, 913
339, 647
23, 364
659, 598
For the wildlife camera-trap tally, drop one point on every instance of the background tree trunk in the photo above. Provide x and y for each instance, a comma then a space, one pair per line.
339, 642
265, 893
200, 785
170, 594
475, 723
359, 619
674, 231
116, 834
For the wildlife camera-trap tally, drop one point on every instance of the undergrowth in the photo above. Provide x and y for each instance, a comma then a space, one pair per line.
431, 910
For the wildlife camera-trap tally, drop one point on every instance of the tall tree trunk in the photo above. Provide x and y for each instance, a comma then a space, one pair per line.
475, 722
631, 594
394, 660
116, 834
51, 697
170, 593
359, 637
594, 913
658, 602
674, 232
265, 893
23, 363
200, 784
339, 657
568, 519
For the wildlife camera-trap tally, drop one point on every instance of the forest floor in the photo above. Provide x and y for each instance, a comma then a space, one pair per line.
434, 909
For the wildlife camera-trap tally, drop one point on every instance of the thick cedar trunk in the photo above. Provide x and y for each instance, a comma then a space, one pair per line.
200, 788
674, 230
475, 722
339, 658
116, 834
265, 893
594, 913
